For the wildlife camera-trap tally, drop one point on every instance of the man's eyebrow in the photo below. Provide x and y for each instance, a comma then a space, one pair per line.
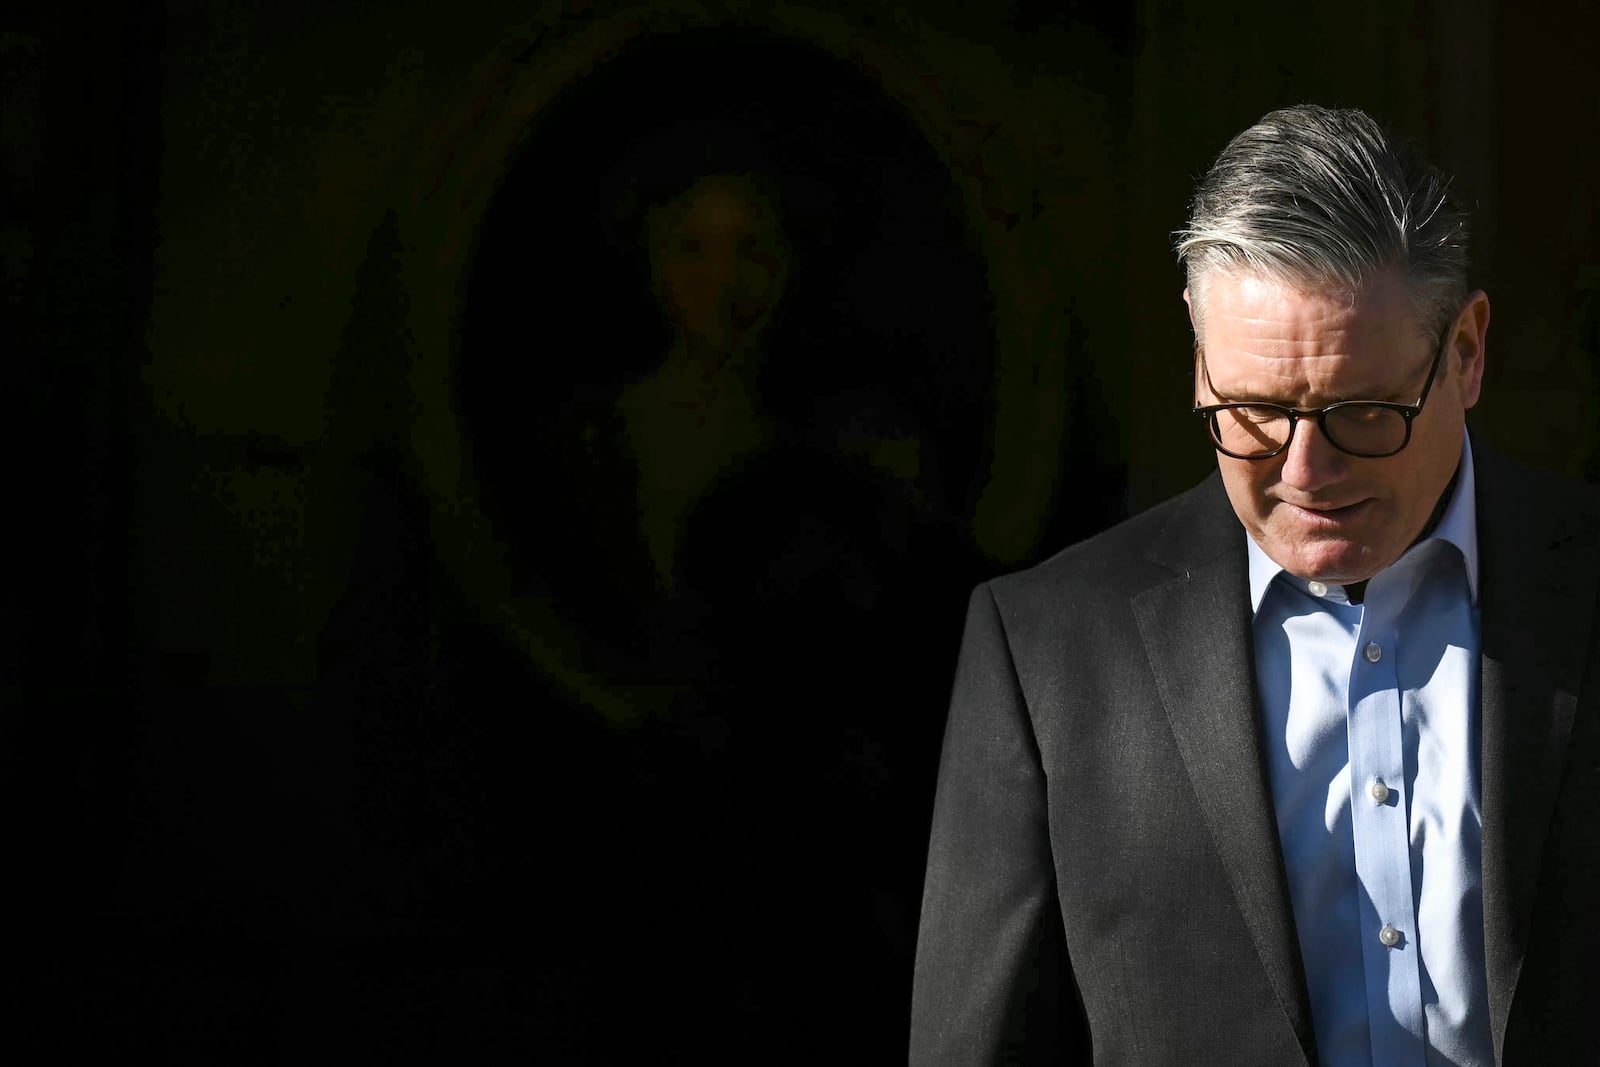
1279, 402
1251, 398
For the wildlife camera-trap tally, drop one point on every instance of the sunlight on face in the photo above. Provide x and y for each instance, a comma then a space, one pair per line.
1318, 512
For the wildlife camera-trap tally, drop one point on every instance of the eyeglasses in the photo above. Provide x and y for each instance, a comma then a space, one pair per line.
1371, 429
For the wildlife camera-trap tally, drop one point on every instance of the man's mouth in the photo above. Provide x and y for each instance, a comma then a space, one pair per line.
1327, 515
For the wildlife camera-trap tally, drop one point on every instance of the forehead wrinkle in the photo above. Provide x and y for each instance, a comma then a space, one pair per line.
1284, 344
1300, 380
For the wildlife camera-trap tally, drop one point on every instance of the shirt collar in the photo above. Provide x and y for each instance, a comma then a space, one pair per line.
1457, 526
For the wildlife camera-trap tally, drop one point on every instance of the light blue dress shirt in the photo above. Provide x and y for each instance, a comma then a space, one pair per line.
1371, 735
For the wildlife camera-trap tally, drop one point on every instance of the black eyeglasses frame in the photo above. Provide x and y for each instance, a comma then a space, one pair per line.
1320, 415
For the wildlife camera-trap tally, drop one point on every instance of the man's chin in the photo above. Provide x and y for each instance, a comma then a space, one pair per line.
1334, 561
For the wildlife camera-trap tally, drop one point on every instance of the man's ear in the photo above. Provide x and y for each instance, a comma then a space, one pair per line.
1194, 323
1468, 344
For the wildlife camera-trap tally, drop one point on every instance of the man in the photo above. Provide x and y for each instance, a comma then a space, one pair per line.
1302, 766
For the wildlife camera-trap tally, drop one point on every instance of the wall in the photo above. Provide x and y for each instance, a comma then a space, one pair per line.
273, 619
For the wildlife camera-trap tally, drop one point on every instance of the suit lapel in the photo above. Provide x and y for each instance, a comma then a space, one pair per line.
1196, 632
1538, 584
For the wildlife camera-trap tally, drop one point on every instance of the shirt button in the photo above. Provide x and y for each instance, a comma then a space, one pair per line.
1374, 653
1317, 588
1389, 936
1380, 792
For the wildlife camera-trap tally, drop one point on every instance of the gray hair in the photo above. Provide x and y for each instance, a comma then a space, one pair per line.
1324, 199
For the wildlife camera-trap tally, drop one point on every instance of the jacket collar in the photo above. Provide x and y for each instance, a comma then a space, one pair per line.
1196, 631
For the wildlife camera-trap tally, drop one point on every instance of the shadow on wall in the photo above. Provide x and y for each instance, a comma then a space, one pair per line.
725, 373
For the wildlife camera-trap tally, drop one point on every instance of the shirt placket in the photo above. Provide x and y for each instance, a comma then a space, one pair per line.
1380, 829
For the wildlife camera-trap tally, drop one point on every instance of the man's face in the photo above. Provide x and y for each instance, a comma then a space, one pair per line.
1318, 512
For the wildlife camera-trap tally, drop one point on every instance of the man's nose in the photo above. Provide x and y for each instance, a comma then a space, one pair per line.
1311, 463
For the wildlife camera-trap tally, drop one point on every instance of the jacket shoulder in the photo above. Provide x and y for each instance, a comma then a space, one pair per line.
1141, 551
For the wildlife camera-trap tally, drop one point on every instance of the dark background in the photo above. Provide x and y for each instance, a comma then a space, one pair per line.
334, 728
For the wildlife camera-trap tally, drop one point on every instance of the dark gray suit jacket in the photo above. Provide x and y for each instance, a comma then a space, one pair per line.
1105, 882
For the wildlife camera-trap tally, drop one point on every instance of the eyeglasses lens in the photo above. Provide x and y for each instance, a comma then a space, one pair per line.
1360, 429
